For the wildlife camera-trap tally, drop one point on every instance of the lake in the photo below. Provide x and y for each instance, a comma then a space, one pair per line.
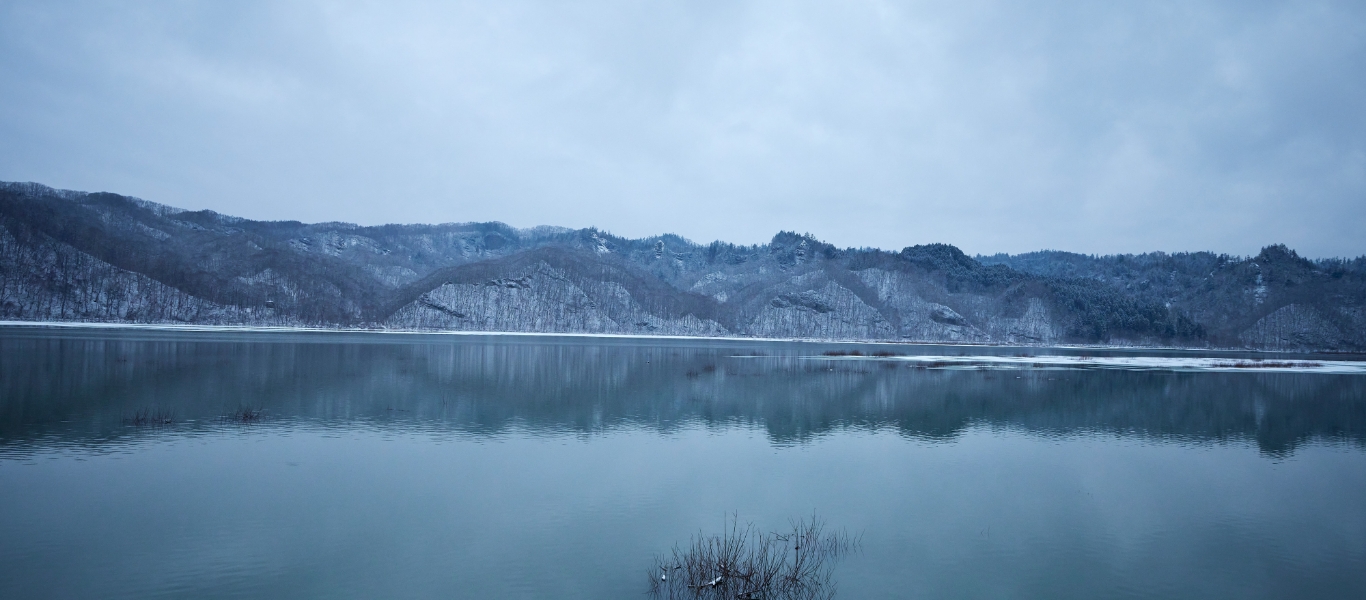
140, 463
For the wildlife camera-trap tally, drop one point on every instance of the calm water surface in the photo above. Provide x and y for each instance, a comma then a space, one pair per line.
407, 466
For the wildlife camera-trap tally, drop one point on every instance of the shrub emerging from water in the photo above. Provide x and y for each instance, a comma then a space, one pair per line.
746, 563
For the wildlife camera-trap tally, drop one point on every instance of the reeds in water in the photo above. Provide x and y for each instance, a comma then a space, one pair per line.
1268, 364
856, 353
747, 563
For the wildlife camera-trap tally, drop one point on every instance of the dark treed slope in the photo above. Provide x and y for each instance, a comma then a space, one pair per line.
1274, 299
103, 257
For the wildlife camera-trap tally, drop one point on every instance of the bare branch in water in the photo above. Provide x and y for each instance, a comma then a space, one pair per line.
746, 563
243, 415
151, 417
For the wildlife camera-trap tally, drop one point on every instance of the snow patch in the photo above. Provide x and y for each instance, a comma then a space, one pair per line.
1125, 363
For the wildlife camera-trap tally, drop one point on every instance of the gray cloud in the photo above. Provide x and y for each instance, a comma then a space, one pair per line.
996, 126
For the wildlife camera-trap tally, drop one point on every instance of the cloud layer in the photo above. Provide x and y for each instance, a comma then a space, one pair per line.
996, 126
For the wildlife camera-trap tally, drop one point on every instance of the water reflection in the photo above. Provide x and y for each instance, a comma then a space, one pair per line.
80, 388
362, 466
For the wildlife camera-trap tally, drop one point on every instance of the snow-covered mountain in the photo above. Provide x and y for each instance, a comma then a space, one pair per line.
73, 256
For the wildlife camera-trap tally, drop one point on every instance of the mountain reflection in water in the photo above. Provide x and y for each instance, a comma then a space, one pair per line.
172, 464
80, 388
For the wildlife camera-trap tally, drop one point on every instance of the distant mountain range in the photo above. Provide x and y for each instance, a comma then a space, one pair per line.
101, 257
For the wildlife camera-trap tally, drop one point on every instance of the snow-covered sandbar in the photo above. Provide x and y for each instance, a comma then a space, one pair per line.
1128, 363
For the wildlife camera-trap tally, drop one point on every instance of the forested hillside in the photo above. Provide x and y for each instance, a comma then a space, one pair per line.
102, 257
1274, 299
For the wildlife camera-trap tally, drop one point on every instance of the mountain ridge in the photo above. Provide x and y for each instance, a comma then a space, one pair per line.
76, 256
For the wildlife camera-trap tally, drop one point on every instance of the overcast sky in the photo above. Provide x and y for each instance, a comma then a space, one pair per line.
1096, 127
